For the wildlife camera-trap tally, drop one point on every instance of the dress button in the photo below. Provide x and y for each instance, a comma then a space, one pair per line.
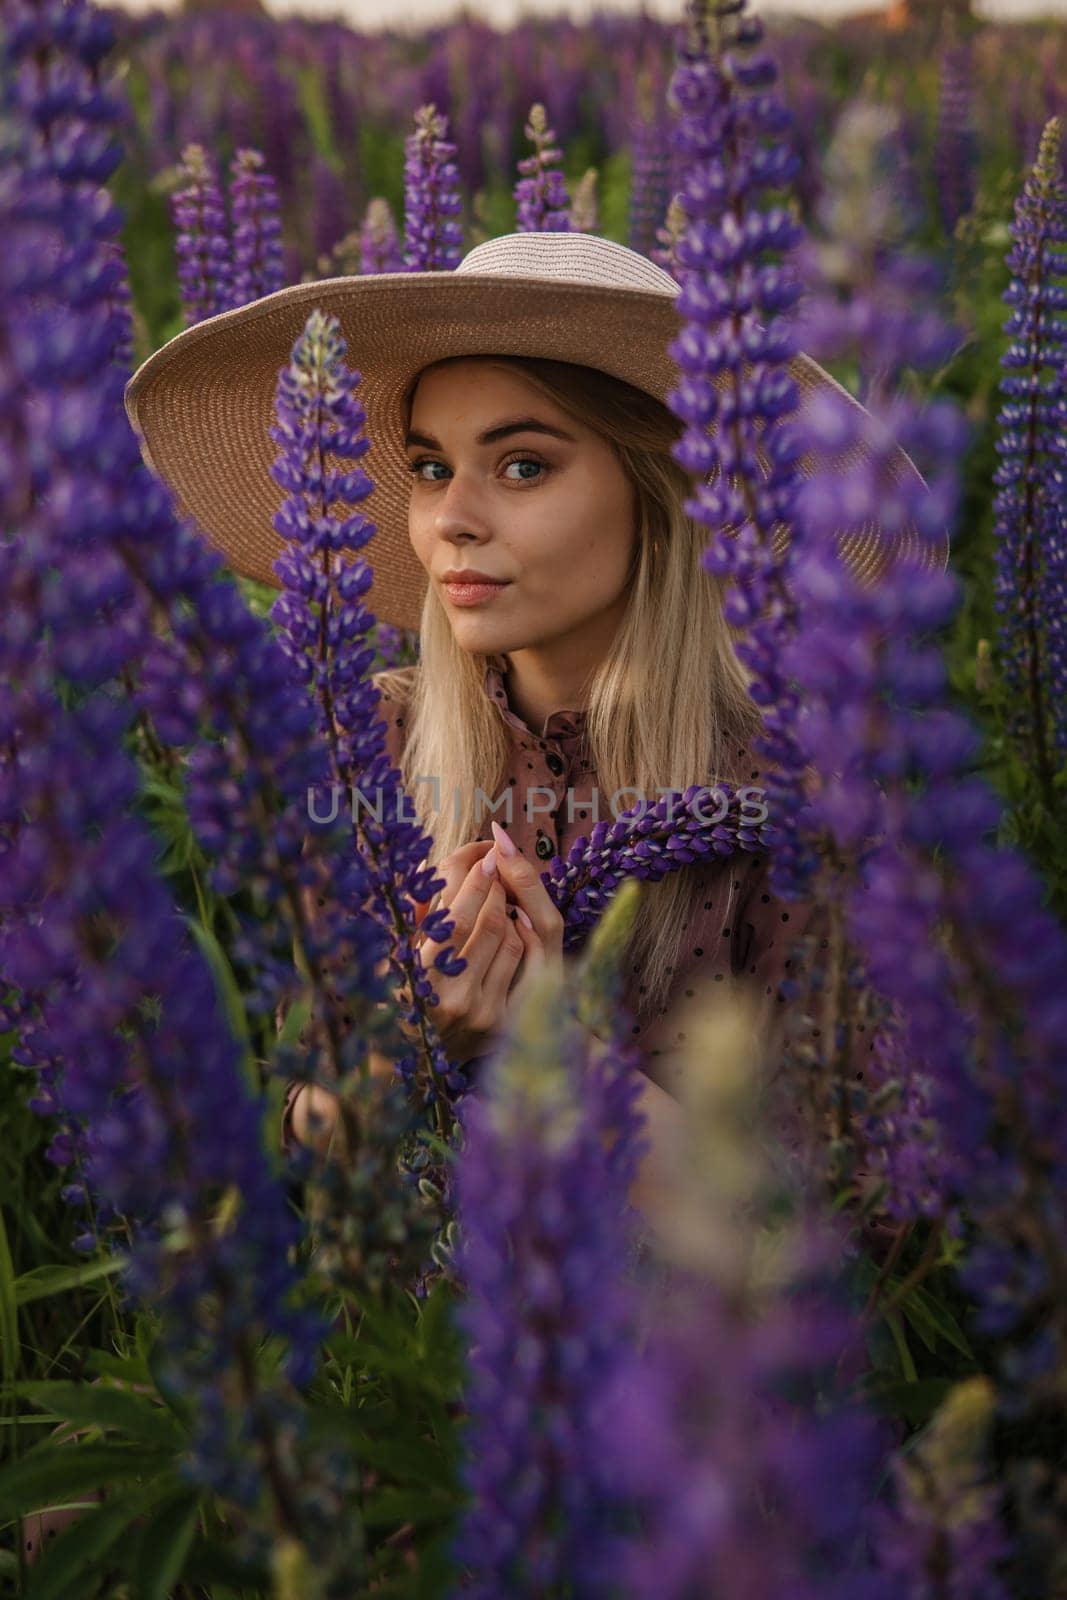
544, 847
553, 763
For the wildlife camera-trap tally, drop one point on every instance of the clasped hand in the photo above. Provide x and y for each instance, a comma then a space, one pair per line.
503, 955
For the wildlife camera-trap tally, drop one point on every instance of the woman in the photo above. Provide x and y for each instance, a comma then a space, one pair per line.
599, 658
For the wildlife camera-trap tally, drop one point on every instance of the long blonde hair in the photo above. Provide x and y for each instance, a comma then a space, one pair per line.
656, 717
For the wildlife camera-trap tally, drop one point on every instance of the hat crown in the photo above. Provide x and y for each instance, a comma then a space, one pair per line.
572, 258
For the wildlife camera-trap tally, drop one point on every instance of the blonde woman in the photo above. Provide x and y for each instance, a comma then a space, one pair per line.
572, 649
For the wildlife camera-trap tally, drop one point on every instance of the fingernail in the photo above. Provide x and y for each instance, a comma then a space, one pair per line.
525, 919
489, 863
508, 847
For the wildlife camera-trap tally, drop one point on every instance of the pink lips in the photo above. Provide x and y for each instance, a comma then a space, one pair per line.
472, 594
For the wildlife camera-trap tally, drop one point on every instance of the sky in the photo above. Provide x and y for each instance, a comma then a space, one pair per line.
504, 13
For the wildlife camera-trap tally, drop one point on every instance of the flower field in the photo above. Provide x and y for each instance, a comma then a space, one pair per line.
445, 1354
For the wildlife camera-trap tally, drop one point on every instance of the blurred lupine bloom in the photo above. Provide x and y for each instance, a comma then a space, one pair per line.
954, 935
649, 167
955, 142
733, 135
110, 995
946, 1527
541, 198
585, 207
258, 268
550, 1145
433, 239
379, 240
328, 206
1031, 480
734, 1432
202, 243
868, 297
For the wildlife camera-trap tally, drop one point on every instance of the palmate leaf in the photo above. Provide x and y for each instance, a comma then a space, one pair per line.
83, 1552
53, 1472
137, 1417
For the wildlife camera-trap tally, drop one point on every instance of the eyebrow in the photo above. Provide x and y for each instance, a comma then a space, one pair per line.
502, 430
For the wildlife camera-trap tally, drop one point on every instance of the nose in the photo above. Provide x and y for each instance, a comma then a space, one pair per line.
457, 516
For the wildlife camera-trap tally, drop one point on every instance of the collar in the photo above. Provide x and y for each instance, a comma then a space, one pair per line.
559, 724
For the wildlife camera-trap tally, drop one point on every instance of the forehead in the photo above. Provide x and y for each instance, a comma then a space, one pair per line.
477, 385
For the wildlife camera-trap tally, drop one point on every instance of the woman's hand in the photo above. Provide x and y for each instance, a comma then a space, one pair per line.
499, 949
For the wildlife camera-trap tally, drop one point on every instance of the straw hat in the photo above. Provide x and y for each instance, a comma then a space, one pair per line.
203, 403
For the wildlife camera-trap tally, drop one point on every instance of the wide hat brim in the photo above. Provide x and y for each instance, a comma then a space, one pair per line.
202, 404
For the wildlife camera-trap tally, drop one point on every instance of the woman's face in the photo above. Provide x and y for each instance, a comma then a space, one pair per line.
551, 513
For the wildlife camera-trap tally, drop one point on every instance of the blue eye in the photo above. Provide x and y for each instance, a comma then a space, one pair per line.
415, 467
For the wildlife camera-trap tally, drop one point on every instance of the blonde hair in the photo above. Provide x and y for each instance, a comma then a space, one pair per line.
655, 717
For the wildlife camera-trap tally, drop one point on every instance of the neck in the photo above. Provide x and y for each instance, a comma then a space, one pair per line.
538, 685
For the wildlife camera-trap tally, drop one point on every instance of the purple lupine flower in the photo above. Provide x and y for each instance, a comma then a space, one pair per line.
734, 134
945, 1535
544, 1235
201, 245
541, 194
955, 936
111, 996
735, 1433
868, 299
649, 162
379, 240
328, 208
326, 632
647, 843
955, 147
432, 238
257, 228
1030, 505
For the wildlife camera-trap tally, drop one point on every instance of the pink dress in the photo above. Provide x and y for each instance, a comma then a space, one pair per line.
743, 934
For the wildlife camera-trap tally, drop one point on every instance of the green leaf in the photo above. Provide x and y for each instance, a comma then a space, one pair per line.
164, 1546
40, 1282
9, 1321
137, 1417
907, 1364
229, 993
295, 1018
915, 1402
920, 1306
54, 1471
392, 1507
77, 1551
210, 1562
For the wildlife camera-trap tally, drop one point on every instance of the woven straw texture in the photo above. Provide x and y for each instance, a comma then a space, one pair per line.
202, 404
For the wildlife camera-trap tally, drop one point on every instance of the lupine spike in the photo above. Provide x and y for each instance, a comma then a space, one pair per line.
201, 245
1031, 500
541, 193
379, 240
113, 1001
541, 1204
585, 207
258, 266
432, 238
649, 162
733, 135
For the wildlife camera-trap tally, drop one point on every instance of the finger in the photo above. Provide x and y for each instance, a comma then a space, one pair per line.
525, 887
455, 869
471, 903
534, 961
501, 970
